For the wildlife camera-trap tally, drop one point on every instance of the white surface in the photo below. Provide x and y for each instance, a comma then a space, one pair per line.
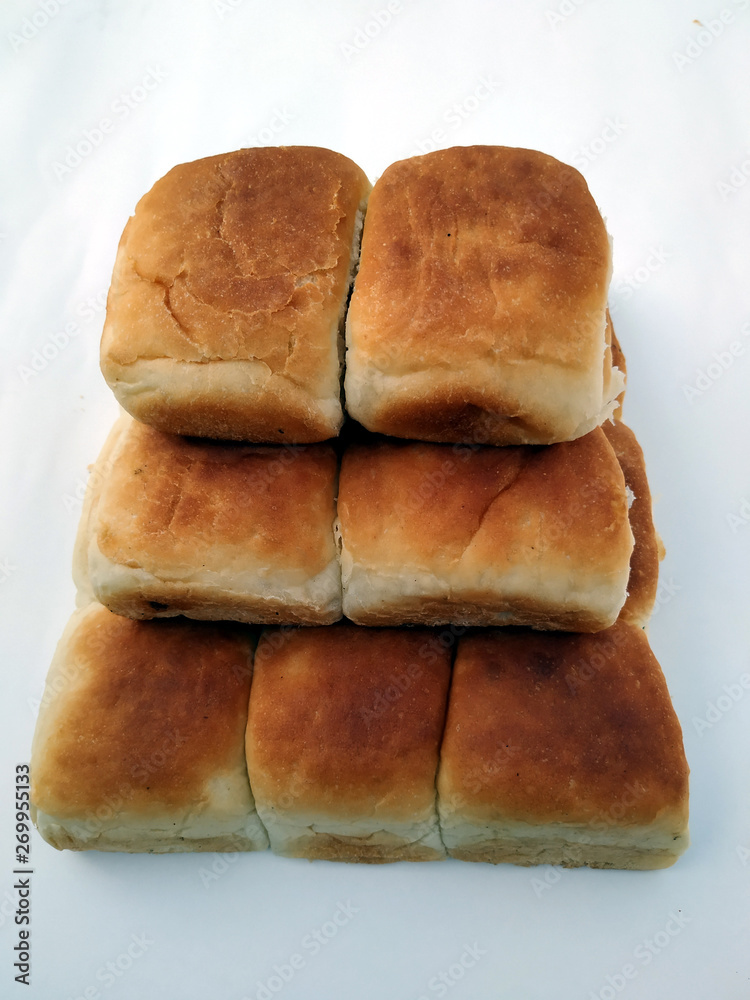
521, 77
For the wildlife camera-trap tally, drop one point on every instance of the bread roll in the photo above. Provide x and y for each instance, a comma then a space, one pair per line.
648, 549
176, 526
228, 295
562, 749
343, 737
139, 741
479, 309
433, 534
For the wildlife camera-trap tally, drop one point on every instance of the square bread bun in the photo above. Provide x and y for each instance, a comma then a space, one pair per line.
433, 534
648, 550
562, 749
226, 309
139, 744
479, 310
218, 531
343, 735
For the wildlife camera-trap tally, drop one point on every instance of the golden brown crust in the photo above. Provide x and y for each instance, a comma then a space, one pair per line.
618, 361
345, 723
141, 718
647, 551
433, 533
478, 313
563, 728
229, 531
228, 291
98, 473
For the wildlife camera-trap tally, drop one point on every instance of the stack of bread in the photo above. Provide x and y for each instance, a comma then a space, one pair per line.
482, 519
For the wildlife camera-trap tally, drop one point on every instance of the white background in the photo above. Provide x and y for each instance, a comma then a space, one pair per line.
654, 109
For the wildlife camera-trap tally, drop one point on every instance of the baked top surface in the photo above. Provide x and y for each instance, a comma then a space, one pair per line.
481, 252
170, 502
239, 256
345, 722
146, 716
563, 728
429, 505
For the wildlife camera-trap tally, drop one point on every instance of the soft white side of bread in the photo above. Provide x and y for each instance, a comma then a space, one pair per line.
271, 598
575, 601
150, 384
166, 834
556, 401
572, 846
367, 839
